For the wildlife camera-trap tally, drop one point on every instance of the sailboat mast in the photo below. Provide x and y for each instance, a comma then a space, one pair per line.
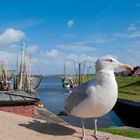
30, 71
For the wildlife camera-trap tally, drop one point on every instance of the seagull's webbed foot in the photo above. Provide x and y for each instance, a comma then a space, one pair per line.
99, 137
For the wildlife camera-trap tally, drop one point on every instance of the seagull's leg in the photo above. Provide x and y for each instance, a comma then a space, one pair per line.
98, 137
95, 127
84, 137
83, 128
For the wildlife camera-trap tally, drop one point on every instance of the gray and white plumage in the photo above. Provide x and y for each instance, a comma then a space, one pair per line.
96, 97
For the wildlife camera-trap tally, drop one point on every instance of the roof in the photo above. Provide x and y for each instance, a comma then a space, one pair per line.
136, 71
16, 98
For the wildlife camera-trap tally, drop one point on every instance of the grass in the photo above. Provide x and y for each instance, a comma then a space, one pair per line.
88, 77
129, 87
84, 78
122, 132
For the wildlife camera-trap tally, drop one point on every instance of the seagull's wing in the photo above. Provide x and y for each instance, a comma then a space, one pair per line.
78, 95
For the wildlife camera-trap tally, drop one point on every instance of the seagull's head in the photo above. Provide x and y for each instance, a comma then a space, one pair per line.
110, 63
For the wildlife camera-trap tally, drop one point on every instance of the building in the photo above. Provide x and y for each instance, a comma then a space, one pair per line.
135, 72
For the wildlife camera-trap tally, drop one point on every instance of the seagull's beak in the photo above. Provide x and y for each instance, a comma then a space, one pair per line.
125, 67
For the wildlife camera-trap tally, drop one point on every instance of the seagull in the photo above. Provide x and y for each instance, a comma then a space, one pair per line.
96, 97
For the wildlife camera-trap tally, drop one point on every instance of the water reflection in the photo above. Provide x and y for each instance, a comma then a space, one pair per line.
53, 95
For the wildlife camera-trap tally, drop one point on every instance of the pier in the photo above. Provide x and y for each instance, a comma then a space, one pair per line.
15, 127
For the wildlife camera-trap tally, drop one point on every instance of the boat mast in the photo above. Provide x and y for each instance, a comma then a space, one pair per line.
79, 81
20, 80
25, 80
64, 70
6, 72
17, 64
30, 72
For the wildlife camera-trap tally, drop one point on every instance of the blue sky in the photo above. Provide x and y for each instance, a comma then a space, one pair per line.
65, 30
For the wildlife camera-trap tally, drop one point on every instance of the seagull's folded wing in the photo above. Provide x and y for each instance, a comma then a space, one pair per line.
78, 95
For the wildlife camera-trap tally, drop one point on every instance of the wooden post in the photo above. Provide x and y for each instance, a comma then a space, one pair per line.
79, 73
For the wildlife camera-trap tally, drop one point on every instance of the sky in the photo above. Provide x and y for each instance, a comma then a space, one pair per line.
70, 31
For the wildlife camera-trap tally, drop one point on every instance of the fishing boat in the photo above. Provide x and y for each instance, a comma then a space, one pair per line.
67, 82
18, 87
23, 80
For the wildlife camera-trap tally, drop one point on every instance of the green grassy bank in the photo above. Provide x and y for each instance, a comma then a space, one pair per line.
129, 87
122, 132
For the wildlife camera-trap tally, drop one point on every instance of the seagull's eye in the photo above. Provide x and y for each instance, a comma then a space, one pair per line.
109, 60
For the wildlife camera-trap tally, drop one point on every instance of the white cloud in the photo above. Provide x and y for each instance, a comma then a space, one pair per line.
70, 23
56, 57
98, 38
11, 35
32, 48
119, 35
10, 57
76, 48
53, 53
131, 27
132, 53
81, 58
131, 31
134, 34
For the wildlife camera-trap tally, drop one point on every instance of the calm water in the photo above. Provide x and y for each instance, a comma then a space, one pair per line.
53, 95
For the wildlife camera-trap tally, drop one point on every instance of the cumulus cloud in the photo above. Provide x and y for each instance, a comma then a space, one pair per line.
53, 53
70, 23
11, 35
32, 48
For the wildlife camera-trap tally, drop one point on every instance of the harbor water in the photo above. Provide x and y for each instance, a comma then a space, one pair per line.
53, 96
